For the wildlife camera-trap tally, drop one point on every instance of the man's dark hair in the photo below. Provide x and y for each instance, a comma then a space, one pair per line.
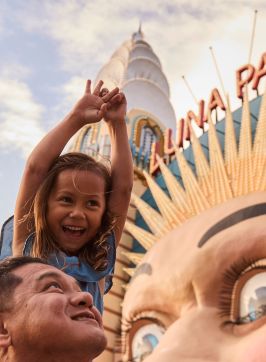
9, 281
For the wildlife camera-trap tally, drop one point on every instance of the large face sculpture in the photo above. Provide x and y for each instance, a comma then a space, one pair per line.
199, 294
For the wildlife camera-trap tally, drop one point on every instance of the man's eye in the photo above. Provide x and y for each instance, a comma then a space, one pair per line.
53, 286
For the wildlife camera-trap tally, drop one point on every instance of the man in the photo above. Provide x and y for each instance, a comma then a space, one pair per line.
45, 316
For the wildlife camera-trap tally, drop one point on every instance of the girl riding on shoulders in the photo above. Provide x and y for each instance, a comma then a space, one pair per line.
71, 209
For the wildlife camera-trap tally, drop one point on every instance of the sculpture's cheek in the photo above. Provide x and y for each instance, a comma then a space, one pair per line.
254, 349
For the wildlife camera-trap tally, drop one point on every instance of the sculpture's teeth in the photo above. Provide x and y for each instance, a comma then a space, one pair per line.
230, 147
245, 179
220, 182
167, 208
134, 257
217, 181
154, 220
259, 149
145, 238
195, 195
129, 271
176, 191
201, 163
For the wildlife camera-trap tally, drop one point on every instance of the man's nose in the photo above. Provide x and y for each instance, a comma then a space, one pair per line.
82, 298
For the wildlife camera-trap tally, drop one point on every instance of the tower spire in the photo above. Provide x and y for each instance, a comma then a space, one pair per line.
140, 25
138, 35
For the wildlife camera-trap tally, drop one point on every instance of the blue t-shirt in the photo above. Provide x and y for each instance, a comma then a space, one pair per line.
87, 277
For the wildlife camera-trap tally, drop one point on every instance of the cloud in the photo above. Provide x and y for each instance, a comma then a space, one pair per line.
68, 93
86, 33
230, 38
14, 71
20, 115
3, 11
180, 31
80, 29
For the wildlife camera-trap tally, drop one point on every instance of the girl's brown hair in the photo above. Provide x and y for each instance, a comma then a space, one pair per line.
95, 251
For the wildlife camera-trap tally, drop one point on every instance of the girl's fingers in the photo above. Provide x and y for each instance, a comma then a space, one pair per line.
100, 114
115, 99
103, 108
109, 95
103, 92
122, 96
98, 87
102, 111
88, 86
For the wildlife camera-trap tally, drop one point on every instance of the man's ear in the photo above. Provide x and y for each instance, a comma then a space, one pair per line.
5, 338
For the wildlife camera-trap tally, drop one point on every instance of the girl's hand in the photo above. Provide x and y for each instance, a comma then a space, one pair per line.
115, 109
92, 107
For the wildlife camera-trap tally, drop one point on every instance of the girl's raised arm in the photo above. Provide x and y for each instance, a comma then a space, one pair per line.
89, 109
121, 162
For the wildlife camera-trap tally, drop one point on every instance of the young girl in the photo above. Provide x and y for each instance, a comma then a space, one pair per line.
79, 206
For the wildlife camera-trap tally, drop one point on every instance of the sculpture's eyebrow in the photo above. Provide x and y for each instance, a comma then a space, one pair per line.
232, 219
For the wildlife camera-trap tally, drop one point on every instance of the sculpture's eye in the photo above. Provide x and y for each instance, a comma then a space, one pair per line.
145, 340
252, 299
243, 295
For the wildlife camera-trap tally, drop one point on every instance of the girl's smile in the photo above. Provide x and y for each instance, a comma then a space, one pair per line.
75, 208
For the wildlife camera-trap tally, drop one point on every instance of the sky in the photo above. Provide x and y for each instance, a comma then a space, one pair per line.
49, 48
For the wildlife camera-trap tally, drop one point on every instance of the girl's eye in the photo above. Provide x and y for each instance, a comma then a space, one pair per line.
66, 199
91, 203
252, 299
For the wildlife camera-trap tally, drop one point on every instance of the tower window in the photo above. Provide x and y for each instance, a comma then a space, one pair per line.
146, 139
86, 140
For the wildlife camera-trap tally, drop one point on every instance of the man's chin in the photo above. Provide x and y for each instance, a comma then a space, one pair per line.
100, 343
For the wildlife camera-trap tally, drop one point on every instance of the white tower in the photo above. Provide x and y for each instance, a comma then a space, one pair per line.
137, 70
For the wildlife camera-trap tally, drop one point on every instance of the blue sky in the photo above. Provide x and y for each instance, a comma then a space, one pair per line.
49, 48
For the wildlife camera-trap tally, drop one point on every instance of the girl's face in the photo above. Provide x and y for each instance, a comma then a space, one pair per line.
75, 208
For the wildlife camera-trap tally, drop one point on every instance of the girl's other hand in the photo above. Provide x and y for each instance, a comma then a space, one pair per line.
115, 109
91, 107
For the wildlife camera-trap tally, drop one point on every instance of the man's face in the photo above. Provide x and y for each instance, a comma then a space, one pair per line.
203, 301
51, 313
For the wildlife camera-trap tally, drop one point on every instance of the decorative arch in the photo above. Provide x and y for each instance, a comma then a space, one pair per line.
146, 131
86, 140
